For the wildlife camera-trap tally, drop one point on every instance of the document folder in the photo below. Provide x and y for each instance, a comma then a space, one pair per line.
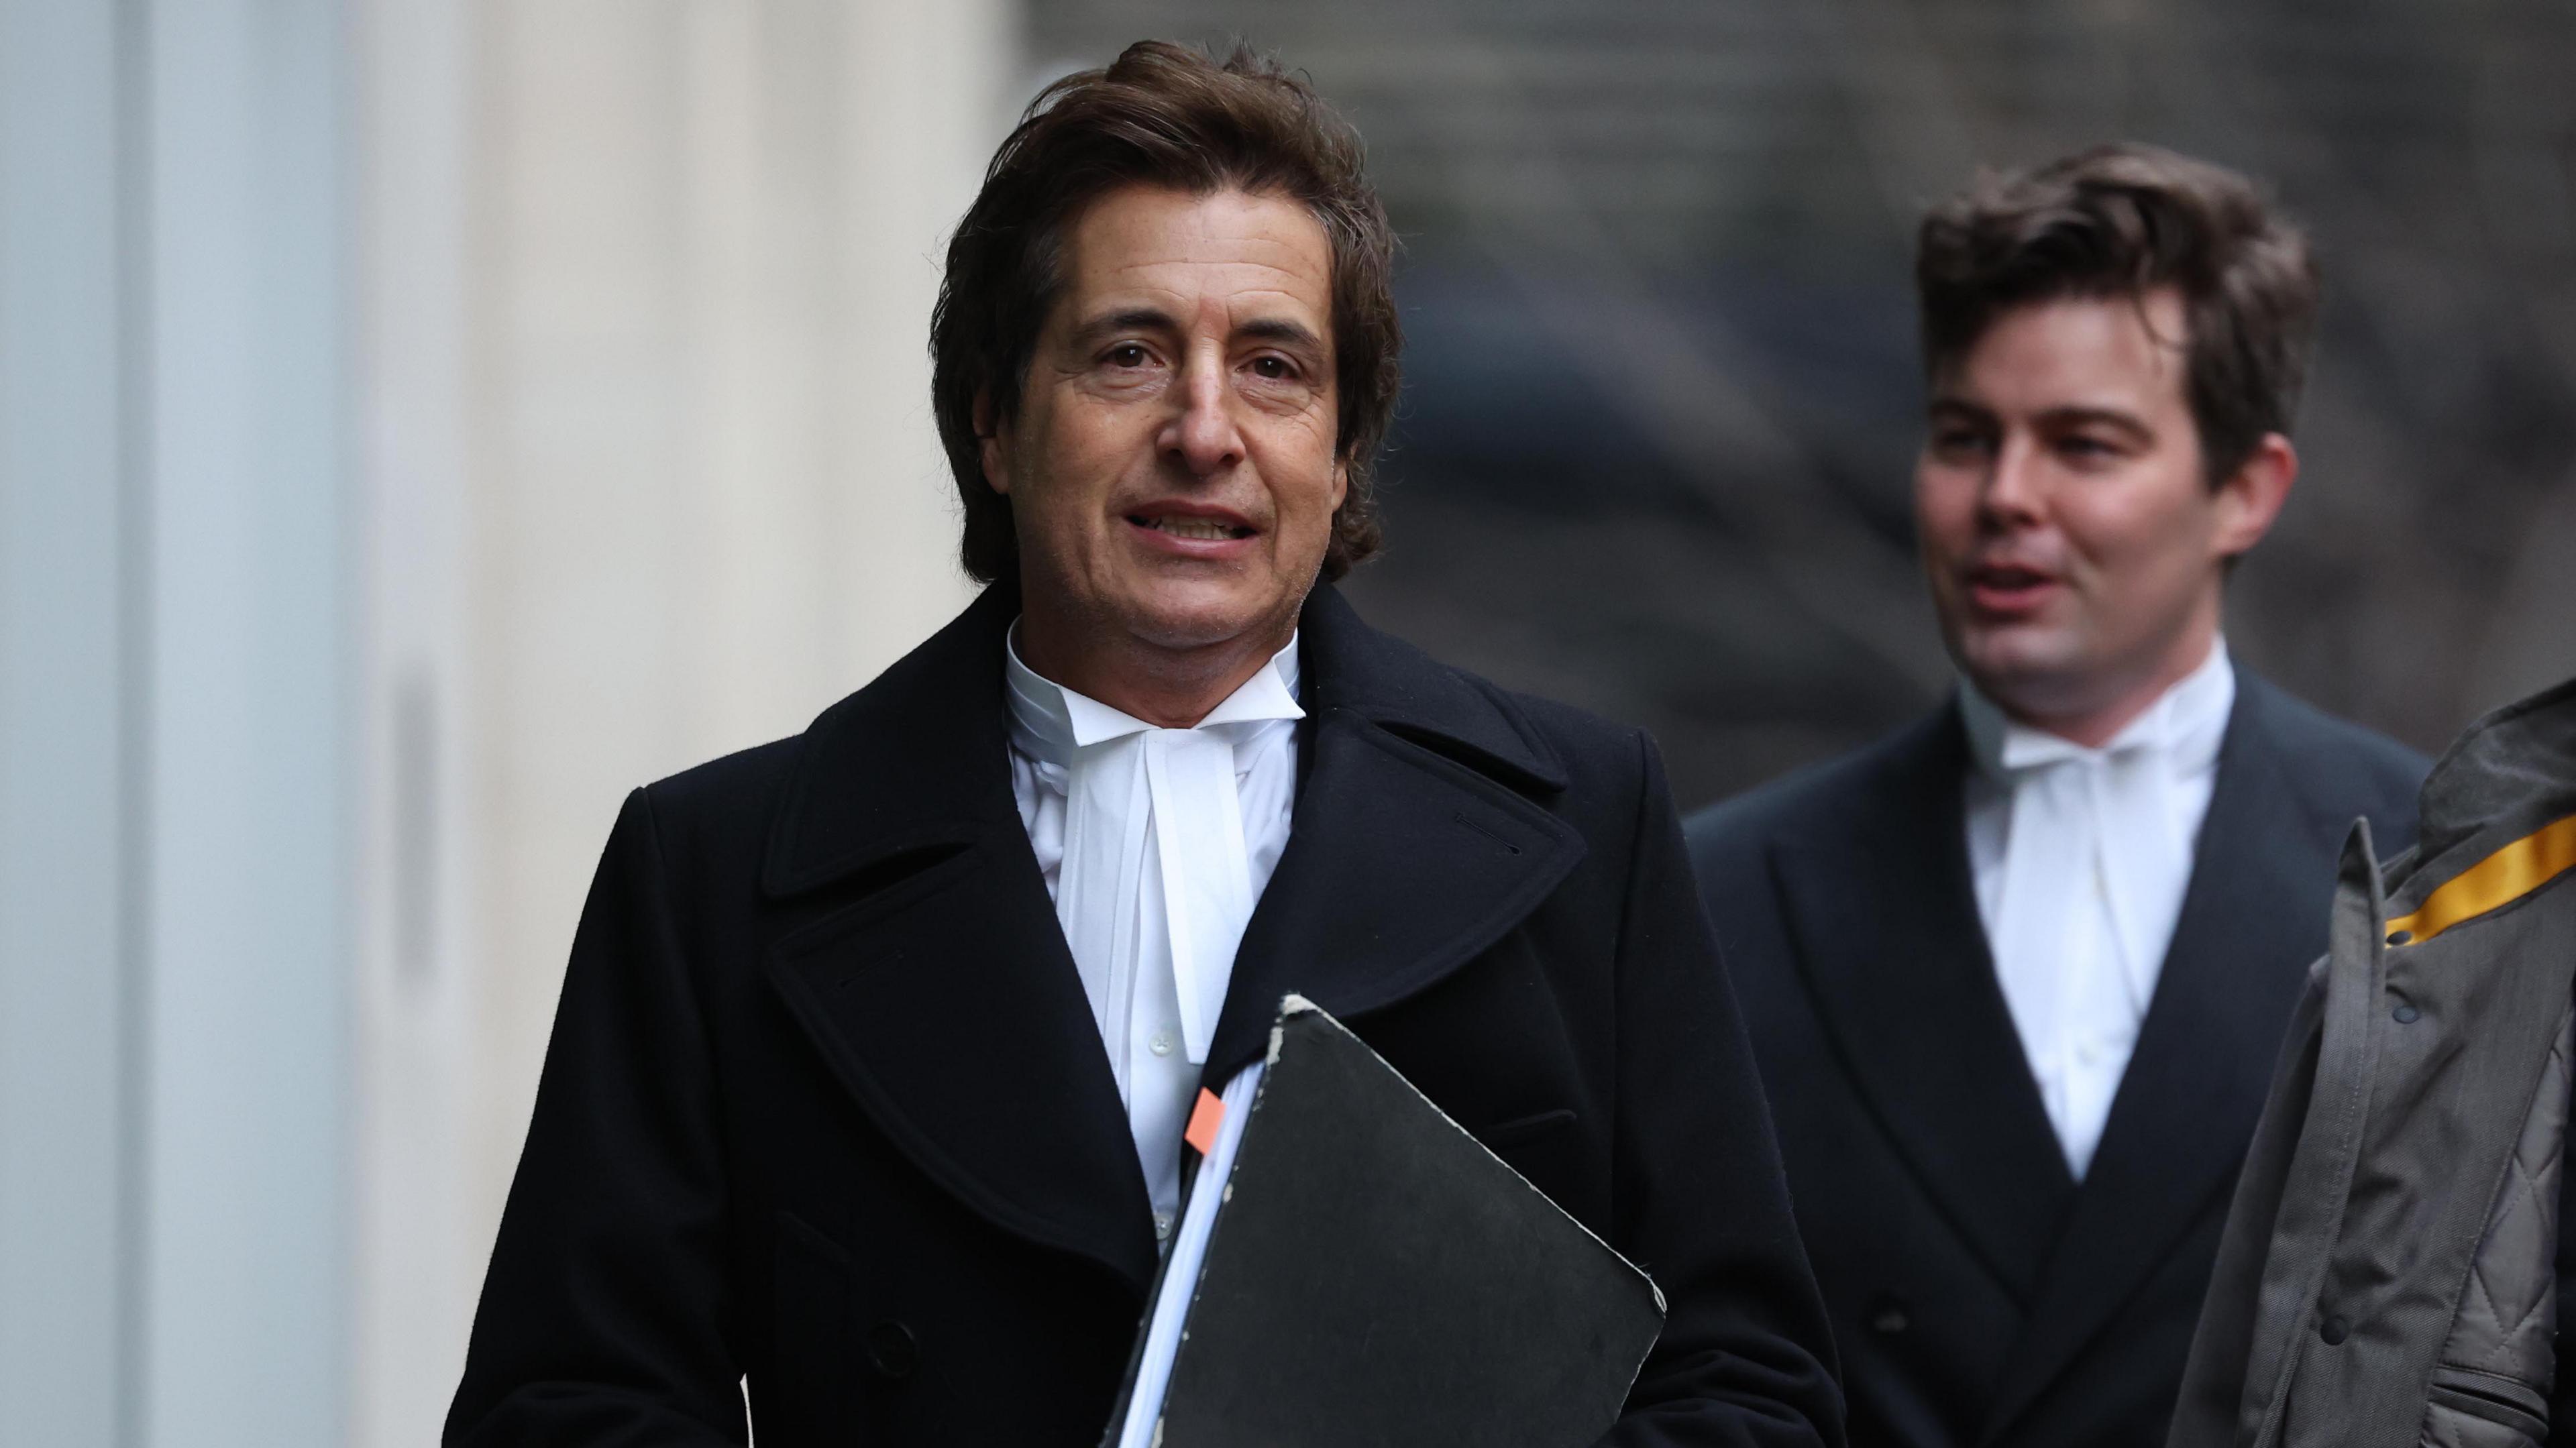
1352, 1268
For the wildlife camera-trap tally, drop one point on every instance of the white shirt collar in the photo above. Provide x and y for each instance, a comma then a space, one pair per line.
2185, 725
1050, 722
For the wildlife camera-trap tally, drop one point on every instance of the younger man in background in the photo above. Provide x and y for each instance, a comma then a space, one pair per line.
2016, 976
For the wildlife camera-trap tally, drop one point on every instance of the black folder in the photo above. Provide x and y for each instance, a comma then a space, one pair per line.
1373, 1275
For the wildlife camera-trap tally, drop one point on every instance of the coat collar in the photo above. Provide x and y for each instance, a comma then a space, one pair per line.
1418, 839
1419, 836
1385, 681
2508, 776
915, 761
879, 775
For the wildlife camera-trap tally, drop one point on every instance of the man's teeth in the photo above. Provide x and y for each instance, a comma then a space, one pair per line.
1200, 528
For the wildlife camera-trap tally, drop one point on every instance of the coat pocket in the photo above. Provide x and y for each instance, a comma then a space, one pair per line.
1547, 1151
808, 1395
1502, 1136
2471, 1409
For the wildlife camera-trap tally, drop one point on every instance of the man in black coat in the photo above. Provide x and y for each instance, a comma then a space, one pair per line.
2017, 976
861, 1095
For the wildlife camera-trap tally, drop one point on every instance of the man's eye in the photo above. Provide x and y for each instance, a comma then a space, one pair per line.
1128, 354
1273, 369
2087, 449
1958, 442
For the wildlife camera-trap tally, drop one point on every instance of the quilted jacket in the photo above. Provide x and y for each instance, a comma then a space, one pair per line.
2390, 1270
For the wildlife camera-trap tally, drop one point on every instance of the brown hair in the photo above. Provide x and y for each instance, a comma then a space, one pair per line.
2124, 221
1163, 115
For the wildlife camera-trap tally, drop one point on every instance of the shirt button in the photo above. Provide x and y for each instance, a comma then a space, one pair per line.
1162, 1226
1161, 1044
2334, 1330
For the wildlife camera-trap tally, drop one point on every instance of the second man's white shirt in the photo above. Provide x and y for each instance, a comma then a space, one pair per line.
1156, 844
2081, 858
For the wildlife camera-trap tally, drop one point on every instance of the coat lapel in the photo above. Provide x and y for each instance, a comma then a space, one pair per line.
1417, 839
944, 998
2196, 1082
942, 994
1883, 914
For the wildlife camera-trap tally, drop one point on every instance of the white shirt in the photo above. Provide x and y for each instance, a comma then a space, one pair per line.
2081, 859
1155, 844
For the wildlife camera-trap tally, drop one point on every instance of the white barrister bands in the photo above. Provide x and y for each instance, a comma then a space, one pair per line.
2081, 857
1155, 844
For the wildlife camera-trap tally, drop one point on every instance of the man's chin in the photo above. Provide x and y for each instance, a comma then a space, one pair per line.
1198, 619
2023, 665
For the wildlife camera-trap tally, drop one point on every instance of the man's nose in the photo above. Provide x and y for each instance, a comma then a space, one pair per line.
1203, 433
2013, 486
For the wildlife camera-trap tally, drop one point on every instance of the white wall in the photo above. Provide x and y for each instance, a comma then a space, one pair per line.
246, 915
64, 620
175, 681
646, 288
420, 422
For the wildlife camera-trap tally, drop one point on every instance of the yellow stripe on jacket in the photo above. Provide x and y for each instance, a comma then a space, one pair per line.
2494, 882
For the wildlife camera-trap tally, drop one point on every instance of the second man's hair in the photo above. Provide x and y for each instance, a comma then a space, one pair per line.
2127, 221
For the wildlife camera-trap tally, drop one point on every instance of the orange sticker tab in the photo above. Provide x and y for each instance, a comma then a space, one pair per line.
1205, 1118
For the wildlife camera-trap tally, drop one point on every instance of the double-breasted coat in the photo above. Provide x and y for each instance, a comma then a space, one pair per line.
826, 1119
1980, 1294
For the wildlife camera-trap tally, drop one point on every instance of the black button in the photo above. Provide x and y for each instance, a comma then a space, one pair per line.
2334, 1330
1888, 1315
2406, 1015
892, 1351
2400, 937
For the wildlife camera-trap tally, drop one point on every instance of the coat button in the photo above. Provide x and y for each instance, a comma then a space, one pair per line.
1888, 1316
2400, 937
2334, 1330
892, 1351
2406, 1015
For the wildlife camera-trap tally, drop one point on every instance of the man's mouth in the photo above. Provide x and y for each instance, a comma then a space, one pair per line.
1194, 528
2008, 587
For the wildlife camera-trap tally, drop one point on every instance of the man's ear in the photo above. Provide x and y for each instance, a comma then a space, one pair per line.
991, 448
2251, 497
1341, 482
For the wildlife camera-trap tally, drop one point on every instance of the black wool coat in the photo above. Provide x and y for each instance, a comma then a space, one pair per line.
1979, 1295
825, 1108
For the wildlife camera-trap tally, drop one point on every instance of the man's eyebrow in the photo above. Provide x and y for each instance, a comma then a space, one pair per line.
2113, 417
1280, 329
2073, 415
1126, 319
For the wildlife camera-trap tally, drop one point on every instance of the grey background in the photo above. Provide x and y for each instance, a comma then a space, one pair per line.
1662, 398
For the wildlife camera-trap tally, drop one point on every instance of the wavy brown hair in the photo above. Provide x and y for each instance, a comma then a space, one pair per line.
2123, 221
1159, 115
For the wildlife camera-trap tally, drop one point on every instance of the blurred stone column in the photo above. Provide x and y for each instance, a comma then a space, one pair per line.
176, 680
646, 288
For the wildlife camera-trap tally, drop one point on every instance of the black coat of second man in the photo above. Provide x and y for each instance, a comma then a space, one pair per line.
1979, 1294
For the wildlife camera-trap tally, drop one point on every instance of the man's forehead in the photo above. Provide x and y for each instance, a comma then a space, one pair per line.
1152, 246
2075, 351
